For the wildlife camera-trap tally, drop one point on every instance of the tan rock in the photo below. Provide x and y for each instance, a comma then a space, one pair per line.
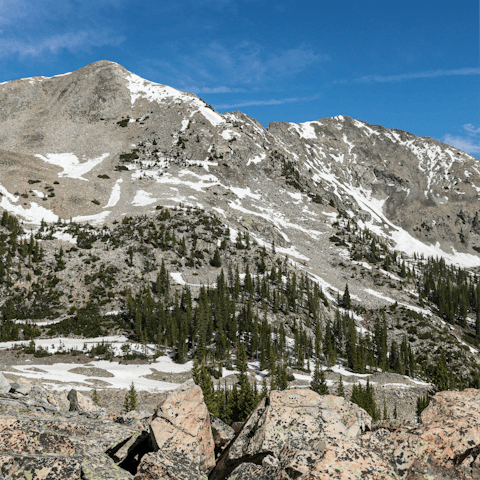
182, 424
82, 403
444, 445
59, 399
168, 466
344, 460
223, 434
341, 460
4, 384
288, 416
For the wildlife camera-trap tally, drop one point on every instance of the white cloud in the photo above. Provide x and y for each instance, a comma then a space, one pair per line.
469, 143
245, 65
466, 144
53, 44
221, 89
249, 103
414, 75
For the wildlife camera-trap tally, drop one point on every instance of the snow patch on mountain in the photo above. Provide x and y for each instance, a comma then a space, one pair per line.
35, 214
143, 198
96, 219
257, 159
115, 195
155, 92
72, 167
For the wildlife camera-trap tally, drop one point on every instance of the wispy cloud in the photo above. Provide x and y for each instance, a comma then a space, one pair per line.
469, 143
403, 77
221, 89
30, 28
238, 67
53, 44
250, 103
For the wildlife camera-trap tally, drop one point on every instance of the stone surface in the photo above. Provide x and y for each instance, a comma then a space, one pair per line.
82, 403
223, 434
314, 460
4, 385
41, 446
445, 444
168, 466
20, 388
182, 424
59, 399
289, 416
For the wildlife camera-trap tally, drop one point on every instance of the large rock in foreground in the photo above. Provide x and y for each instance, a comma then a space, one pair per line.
4, 385
40, 446
446, 444
168, 466
181, 424
296, 417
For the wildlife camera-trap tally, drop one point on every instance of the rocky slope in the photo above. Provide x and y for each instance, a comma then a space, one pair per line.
75, 127
294, 434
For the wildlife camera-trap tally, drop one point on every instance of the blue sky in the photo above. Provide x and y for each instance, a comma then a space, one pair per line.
411, 65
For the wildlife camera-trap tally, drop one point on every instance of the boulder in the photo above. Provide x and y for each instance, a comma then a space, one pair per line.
223, 434
446, 443
297, 415
59, 399
168, 466
21, 388
315, 460
181, 424
81, 403
4, 385
39, 446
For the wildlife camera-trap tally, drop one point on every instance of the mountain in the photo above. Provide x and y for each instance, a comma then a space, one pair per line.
80, 125
338, 240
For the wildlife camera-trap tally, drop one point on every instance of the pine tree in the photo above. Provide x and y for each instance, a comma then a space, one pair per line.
216, 261
318, 383
346, 301
341, 389
422, 404
95, 397
130, 402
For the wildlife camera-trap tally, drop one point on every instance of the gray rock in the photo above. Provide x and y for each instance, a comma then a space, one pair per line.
4, 385
21, 388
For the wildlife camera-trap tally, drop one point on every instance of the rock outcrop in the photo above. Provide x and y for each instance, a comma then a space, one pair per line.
293, 417
56, 448
446, 443
292, 434
168, 466
82, 403
182, 424
4, 385
223, 434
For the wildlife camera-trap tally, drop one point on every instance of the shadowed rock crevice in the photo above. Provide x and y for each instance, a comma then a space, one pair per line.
224, 473
128, 455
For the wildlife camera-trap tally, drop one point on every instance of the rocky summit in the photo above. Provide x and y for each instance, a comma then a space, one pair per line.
186, 294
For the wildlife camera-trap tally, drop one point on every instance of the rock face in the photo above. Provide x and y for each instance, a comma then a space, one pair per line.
182, 424
82, 403
58, 448
445, 445
223, 434
168, 466
295, 417
294, 434
4, 385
